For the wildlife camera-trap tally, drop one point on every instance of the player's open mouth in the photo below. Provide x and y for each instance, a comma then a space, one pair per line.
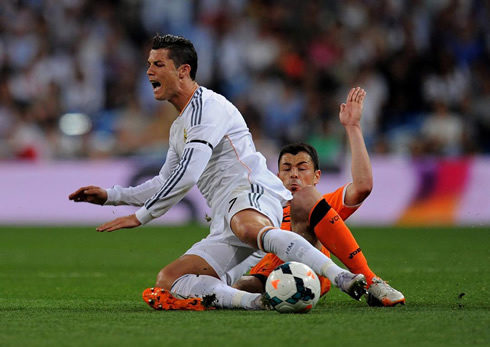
155, 85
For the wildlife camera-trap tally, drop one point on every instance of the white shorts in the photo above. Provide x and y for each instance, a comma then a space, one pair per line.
221, 248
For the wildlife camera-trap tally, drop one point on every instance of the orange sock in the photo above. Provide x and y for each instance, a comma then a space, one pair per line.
338, 239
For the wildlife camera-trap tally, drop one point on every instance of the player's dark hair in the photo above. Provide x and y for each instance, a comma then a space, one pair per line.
180, 50
295, 148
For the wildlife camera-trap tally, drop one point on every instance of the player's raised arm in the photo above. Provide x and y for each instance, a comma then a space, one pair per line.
362, 177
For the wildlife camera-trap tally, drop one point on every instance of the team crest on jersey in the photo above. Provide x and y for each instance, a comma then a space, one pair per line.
185, 135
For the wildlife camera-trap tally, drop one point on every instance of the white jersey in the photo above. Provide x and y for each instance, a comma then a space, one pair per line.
211, 146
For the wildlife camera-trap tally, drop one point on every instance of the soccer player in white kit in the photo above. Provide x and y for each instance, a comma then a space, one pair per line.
211, 146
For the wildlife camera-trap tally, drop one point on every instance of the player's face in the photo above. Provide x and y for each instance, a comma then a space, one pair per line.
297, 171
163, 75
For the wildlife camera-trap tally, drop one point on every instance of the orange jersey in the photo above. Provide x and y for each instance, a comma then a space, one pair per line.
271, 261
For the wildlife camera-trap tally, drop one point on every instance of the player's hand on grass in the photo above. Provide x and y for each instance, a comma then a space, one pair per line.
120, 223
92, 194
350, 112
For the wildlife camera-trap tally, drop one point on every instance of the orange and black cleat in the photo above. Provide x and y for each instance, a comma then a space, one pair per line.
160, 299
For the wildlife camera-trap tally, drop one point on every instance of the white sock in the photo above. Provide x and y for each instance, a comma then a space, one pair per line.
289, 246
200, 286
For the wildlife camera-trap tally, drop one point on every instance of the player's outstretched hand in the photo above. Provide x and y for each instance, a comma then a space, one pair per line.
350, 112
120, 223
92, 194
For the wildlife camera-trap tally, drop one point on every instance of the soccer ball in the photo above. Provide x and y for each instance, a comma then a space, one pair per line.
292, 288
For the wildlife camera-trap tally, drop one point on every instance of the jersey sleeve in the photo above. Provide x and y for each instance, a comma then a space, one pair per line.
193, 162
336, 200
137, 195
207, 125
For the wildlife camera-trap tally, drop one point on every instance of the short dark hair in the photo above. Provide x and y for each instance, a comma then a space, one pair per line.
295, 148
180, 50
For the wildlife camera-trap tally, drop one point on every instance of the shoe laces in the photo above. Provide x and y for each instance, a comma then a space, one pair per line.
378, 281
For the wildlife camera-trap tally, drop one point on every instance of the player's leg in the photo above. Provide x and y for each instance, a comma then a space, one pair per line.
310, 211
237, 272
190, 277
250, 283
186, 264
160, 297
255, 229
255, 281
216, 293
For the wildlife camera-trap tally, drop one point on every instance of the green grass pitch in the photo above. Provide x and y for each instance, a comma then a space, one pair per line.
72, 286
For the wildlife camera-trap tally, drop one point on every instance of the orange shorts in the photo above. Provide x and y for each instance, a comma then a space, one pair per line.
263, 269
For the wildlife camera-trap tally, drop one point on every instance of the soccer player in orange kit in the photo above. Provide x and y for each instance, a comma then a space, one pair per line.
319, 218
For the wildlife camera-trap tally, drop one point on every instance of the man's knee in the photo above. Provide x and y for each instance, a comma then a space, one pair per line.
303, 202
166, 277
247, 224
186, 264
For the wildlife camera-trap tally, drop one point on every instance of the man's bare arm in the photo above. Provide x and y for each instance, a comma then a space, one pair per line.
362, 176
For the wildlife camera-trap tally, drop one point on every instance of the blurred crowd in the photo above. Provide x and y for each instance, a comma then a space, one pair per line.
73, 78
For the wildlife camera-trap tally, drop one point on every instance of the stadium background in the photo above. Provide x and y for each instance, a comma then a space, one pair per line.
76, 107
